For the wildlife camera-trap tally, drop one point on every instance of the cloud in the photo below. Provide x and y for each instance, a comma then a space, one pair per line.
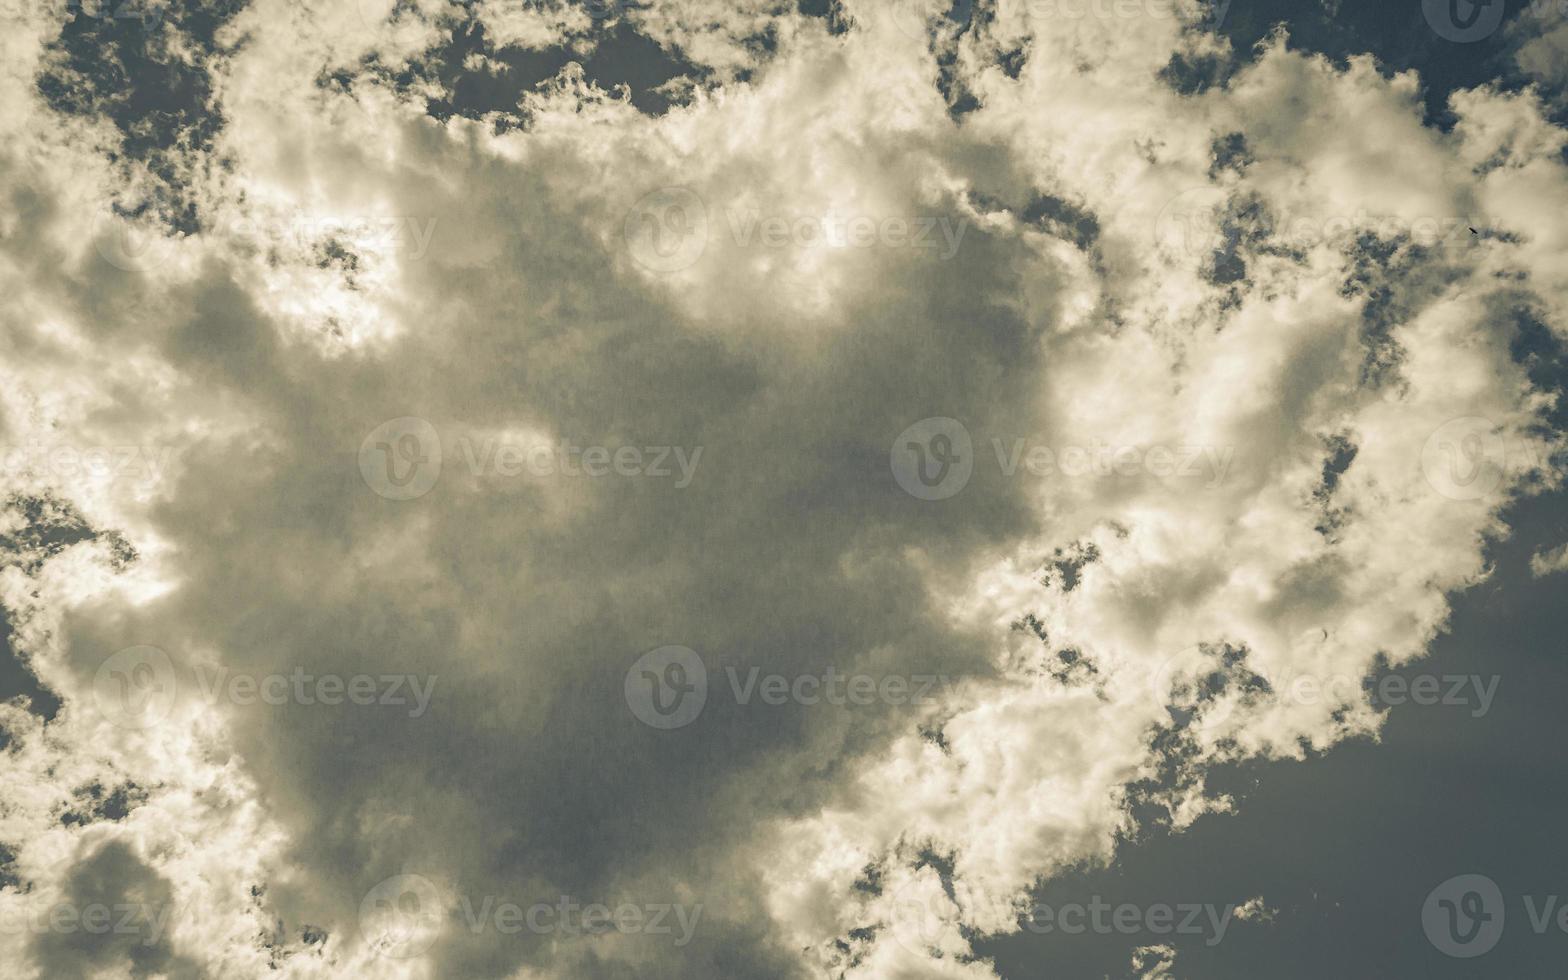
1547, 561
1268, 363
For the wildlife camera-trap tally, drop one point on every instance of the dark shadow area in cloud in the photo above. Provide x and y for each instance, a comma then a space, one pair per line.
115, 915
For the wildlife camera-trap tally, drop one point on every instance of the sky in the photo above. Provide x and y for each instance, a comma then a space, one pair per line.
1017, 488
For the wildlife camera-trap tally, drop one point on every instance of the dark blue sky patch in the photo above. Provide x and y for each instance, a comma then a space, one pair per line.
831, 11
1194, 74
93, 803
17, 680
1063, 219
125, 70
48, 526
620, 57
1545, 358
1400, 33
1347, 845
1229, 152
1379, 266
8, 875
